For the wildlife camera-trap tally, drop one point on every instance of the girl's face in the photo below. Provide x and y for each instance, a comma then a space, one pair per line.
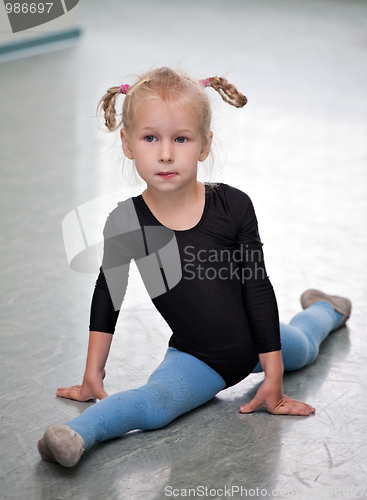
166, 144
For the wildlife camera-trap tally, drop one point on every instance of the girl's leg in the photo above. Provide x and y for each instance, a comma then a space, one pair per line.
179, 384
301, 339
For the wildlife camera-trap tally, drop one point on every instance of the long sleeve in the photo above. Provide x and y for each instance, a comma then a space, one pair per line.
103, 317
257, 292
121, 235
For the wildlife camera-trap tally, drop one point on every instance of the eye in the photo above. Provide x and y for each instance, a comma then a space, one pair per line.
181, 140
150, 138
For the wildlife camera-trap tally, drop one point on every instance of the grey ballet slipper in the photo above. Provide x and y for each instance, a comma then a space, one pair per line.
61, 444
340, 304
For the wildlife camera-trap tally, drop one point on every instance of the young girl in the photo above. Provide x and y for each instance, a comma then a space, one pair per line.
198, 250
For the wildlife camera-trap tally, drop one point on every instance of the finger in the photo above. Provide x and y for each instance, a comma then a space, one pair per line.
251, 406
284, 410
69, 393
71, 387
286, 400
292, 407
299, 405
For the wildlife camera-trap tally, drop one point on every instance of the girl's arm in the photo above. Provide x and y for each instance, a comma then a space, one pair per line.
92, 386
262, 312
103, 320
118, 251
270, 393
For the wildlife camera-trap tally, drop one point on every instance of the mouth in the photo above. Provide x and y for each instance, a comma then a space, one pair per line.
167, 175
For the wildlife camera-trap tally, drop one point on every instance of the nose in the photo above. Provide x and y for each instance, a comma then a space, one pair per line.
166, 152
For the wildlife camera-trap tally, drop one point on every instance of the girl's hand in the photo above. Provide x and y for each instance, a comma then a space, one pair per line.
275, 402
92, 388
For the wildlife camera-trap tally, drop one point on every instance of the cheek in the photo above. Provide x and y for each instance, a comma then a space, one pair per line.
140, 154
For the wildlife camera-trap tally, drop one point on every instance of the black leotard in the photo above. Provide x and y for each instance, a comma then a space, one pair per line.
223, 309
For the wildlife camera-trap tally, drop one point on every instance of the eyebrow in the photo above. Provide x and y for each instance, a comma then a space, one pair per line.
180, 131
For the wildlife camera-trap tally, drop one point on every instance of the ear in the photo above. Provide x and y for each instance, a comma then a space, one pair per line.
128, 152
204, 153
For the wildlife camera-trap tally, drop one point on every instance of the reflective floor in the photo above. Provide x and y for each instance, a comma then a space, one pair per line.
299, 149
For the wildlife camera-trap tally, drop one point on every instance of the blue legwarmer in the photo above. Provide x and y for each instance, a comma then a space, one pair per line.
301, 339
182, 382
179, 384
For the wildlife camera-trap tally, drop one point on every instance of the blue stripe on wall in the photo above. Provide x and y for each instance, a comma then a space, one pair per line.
38, 41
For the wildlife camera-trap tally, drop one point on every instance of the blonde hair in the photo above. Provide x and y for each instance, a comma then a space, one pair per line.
169, 86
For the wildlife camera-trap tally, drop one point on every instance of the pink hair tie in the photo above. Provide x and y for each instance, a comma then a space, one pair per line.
205, 82
124, 88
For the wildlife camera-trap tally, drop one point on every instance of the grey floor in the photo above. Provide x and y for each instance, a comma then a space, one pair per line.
299, 149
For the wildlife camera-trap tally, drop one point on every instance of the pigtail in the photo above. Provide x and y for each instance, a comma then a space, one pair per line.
227, 91
108, 105
167, 85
